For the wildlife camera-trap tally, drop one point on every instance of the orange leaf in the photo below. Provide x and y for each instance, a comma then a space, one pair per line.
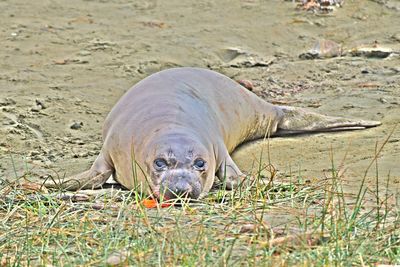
152, 203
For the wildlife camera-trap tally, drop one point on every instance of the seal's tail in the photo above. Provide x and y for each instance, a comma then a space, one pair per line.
297, 121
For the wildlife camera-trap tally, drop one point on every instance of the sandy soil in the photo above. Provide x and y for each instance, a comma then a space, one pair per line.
66, 63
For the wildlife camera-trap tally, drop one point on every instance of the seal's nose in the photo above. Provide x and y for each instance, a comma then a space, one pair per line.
180, 184
183, 186
179, 189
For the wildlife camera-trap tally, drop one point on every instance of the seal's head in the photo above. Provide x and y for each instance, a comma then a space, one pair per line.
180, 167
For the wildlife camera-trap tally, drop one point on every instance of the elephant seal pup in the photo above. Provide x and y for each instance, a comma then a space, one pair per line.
173, 131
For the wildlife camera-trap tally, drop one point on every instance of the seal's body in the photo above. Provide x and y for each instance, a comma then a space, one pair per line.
174, 130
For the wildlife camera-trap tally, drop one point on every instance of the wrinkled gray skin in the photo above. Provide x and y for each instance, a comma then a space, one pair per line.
173, 131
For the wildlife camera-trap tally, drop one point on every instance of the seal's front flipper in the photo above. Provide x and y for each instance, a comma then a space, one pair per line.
86, 180
297, 120
229, 173
90, 179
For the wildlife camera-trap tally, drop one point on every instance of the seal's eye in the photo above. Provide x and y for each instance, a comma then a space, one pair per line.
160, 164
199, 164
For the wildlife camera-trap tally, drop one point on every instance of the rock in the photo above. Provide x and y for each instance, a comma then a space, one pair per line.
98, 206
76, 125
79, 61
75, 197
371, 51
323, 49
246, 84
364, 71
101, 206
248, 228
82, 155
84, 53
382, 100
238, 58
396, 37
7, 102
34, 153
360, 16
348, 106
40, 104
117, 258
314, 105
60, 61
8, 121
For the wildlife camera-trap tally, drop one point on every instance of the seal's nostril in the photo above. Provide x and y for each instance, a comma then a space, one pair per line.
182, 188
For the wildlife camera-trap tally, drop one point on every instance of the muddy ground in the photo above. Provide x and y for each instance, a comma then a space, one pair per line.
64, 64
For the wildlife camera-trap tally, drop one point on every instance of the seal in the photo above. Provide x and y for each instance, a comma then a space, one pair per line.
174, 130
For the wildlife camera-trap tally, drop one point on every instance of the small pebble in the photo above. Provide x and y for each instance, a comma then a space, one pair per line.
396, 37
248, 228
75, 197
83, 155
34, 153
348, 106
364, 71
246, 84
117, 258
382, 100
76, 125
40, 104
84, 53
98, 206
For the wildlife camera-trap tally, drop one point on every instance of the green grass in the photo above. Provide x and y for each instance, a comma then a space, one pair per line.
262, 223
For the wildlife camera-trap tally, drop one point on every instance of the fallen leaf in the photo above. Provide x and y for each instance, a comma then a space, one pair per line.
152, 203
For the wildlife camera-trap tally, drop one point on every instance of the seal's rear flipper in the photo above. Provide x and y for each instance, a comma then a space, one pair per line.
297, 121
